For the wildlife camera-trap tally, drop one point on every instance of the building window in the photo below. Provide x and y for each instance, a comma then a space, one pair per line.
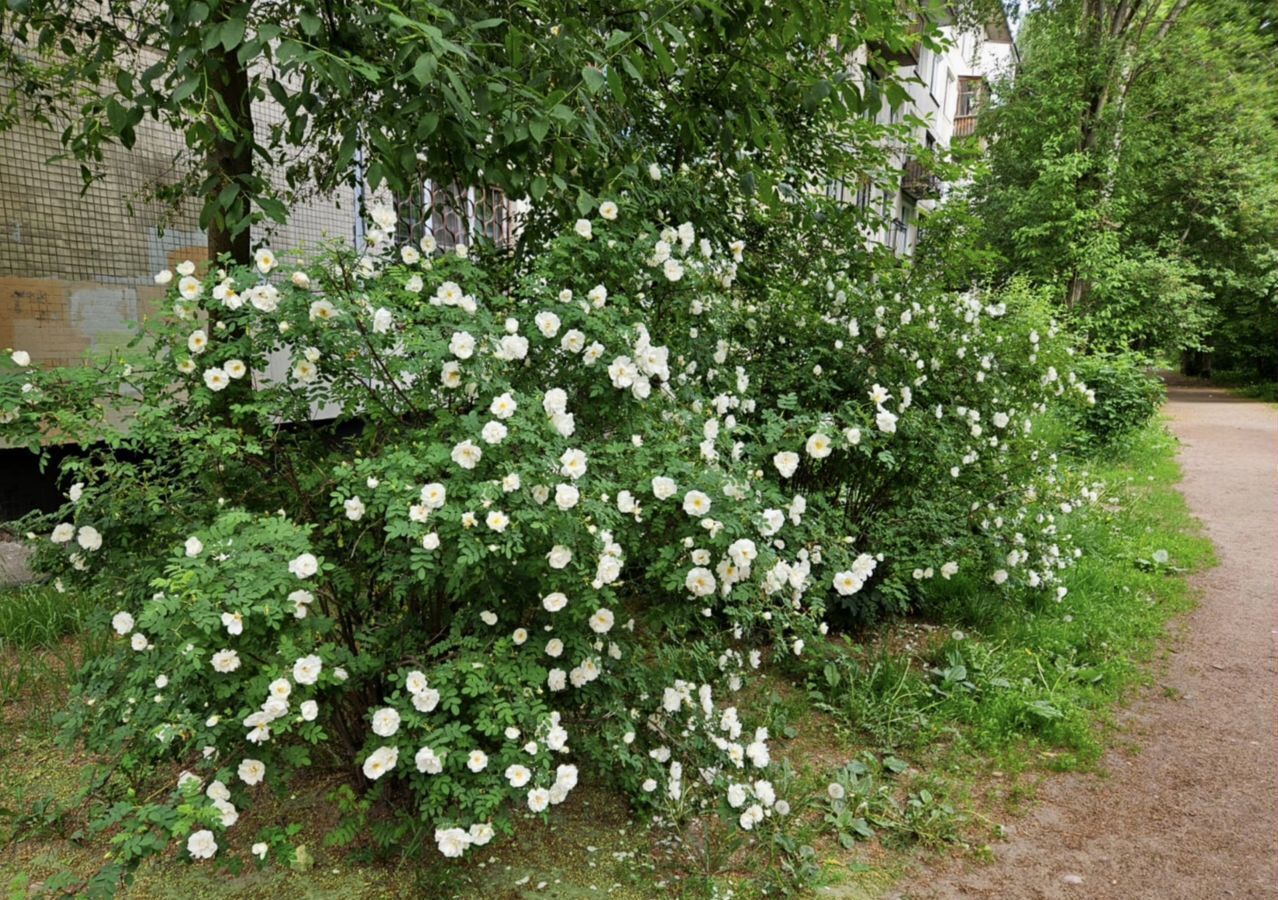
463, 215
971, 91
910, 223
863, 196
971, 94
872, 97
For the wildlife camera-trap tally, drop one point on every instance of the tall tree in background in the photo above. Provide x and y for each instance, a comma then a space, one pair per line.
1132, 164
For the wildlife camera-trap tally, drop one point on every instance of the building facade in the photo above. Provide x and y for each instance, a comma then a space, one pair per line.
946, 91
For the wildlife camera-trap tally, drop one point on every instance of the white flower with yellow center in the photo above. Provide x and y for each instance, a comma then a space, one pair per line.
190, 288
493, 433
497, 520
322, 311
380, 761
696, 503
461, 345
503, 406
216, 379
385, 722
467, 454
700, 582
307, 669
434, 495
201, 844
572, 463
305, 371
818, 446
602, 621
786, 462
547, 323
225, 661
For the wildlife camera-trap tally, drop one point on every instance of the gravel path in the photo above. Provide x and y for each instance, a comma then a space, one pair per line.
1193, 814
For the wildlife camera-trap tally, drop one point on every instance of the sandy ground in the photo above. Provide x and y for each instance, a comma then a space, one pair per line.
1193, 813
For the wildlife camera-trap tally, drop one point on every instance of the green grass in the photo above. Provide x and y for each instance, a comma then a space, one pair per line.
43, 641
37, 615
937, 727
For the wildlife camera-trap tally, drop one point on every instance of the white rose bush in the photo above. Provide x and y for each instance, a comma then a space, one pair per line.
469, 531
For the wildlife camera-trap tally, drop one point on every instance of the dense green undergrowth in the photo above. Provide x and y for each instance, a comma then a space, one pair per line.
921, 733
1003, 679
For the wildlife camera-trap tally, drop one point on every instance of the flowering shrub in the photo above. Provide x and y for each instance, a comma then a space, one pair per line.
461, 529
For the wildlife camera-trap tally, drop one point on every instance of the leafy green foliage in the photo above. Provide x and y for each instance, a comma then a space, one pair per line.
425, 584
1127, 396
1133, 169
558, 102
1003, 679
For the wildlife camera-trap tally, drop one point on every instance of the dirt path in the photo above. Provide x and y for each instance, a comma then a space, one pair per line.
1195, 812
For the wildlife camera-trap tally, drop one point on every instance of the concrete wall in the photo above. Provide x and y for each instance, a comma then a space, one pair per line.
76, 264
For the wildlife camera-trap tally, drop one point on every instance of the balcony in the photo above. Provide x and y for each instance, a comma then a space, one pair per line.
964, 126
918, 182
900, 55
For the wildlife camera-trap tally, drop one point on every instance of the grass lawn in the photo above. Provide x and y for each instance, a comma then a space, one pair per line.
936, 729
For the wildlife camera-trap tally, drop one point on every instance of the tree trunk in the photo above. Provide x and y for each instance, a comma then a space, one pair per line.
1077, 291
231, 161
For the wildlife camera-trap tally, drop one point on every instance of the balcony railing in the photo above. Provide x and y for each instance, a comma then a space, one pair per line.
964, 126
918, 182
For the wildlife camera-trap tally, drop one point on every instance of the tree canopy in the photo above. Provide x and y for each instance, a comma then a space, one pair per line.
549, 100
1134, 164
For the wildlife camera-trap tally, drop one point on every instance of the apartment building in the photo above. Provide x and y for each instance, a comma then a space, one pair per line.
946, 91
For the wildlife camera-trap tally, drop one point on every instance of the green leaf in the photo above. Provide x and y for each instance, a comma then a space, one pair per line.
593, 78
426, 125
539, 128
1044, 710
117, 116
232, 33
832, 674
185, 89
424, 68
538, 187
310, 23
273, 208
615, 86
226, 196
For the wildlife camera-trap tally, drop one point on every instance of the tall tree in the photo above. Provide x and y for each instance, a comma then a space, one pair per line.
553, 100
1132, 165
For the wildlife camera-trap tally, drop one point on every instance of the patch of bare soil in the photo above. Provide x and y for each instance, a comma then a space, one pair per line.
1193, 812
